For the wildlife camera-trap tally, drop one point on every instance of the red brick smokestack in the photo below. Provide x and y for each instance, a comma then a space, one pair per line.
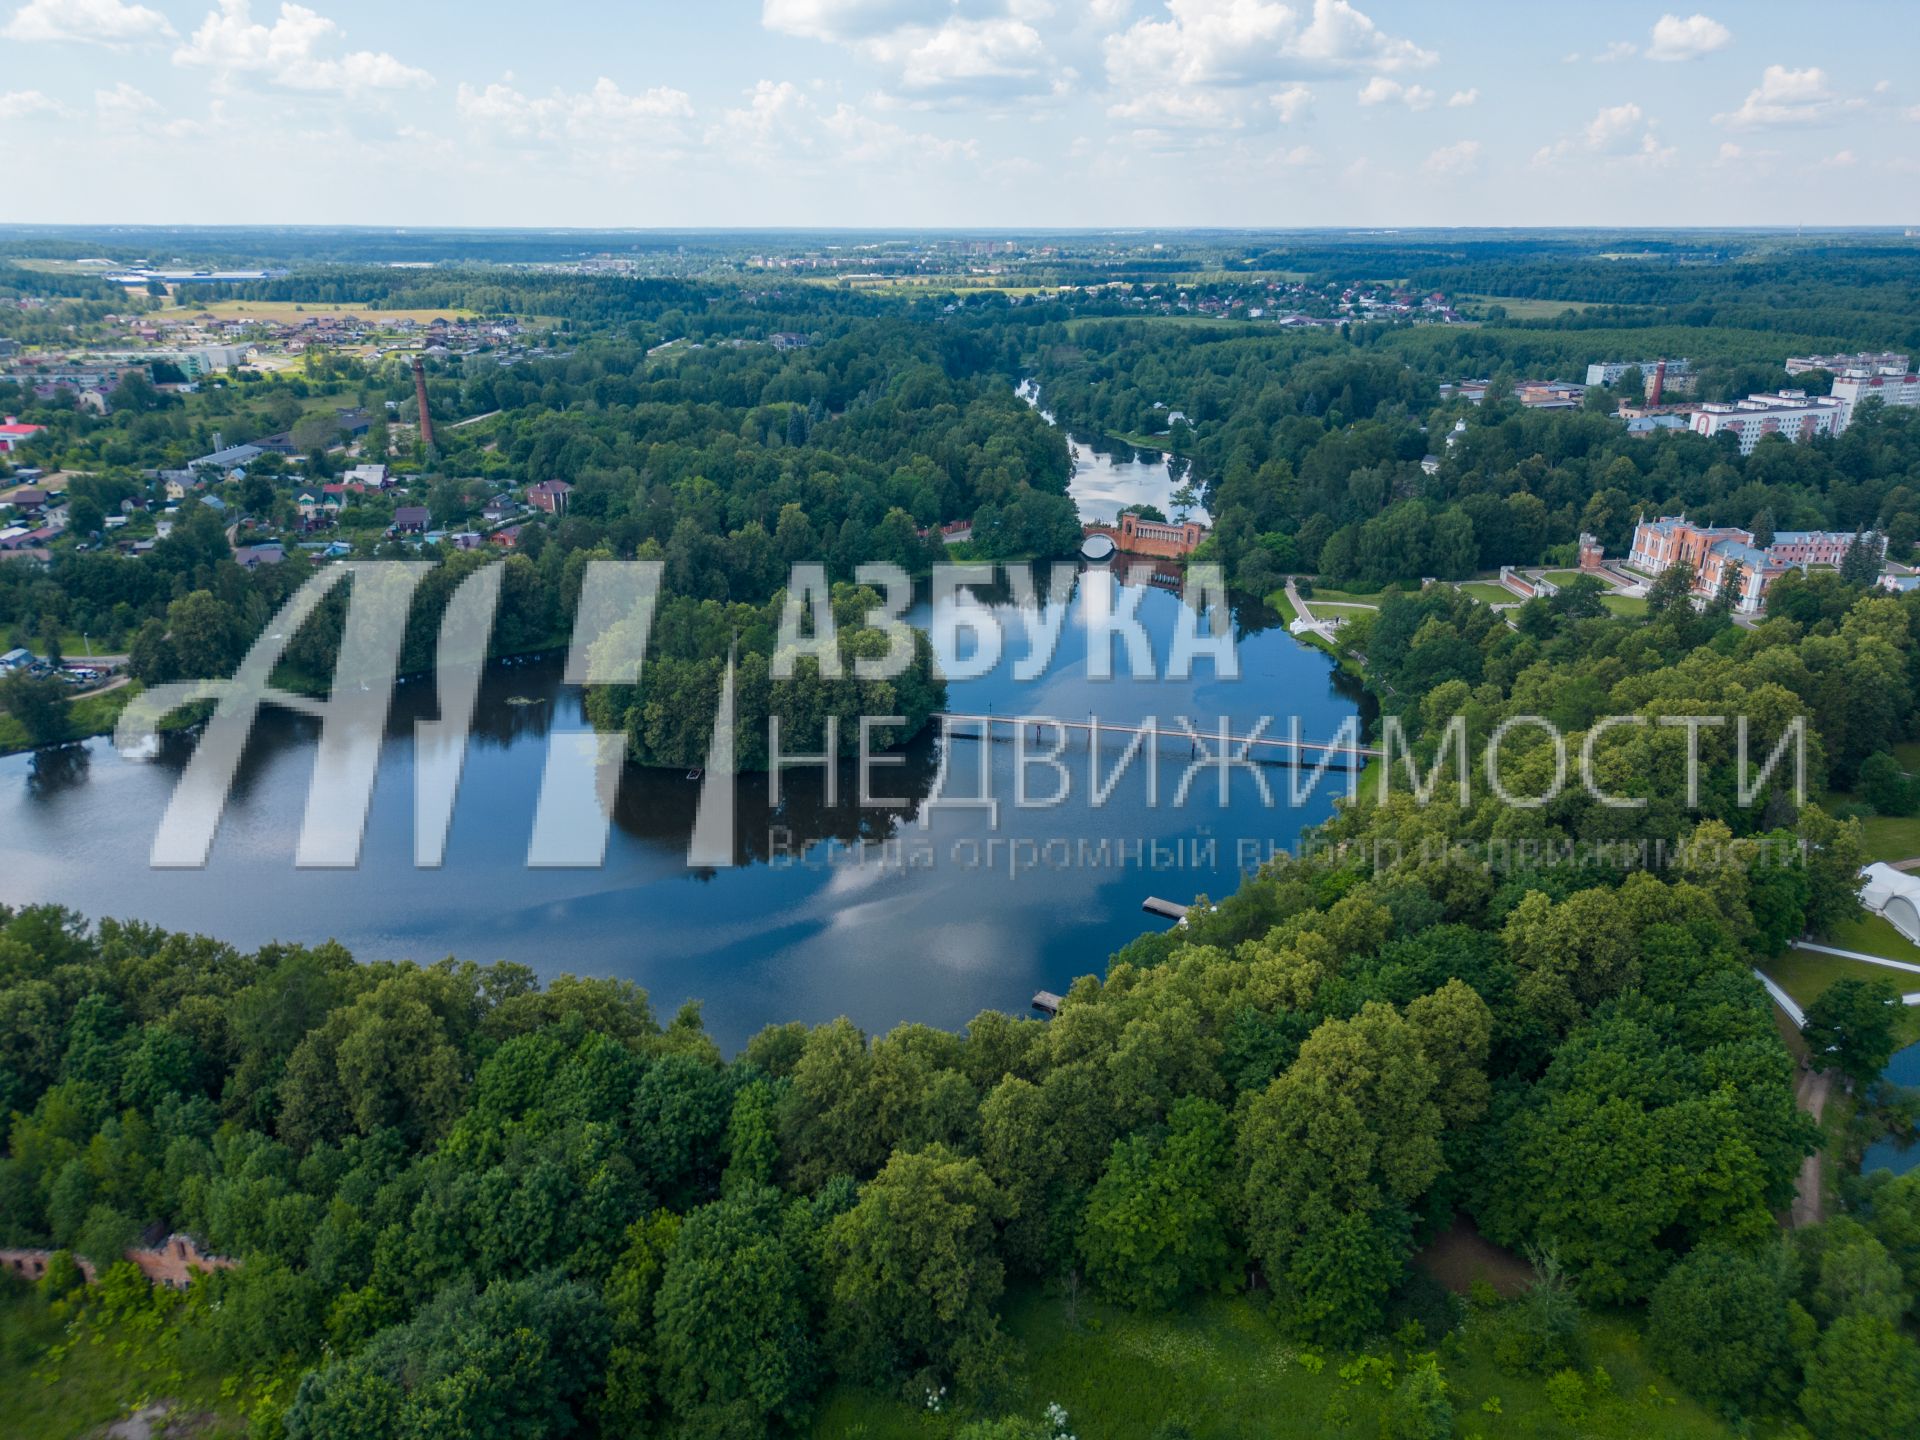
1653, 395
420, 394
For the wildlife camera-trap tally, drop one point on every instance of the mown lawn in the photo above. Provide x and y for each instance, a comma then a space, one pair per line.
1806, 974
1520, 307
1345, 597
1633, 605
1220, 1370
1487, 594
1892, 837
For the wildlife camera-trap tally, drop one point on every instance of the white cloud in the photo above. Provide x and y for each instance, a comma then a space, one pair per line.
1618, 50
18, 104
92, 22
1109, 12
1380, 91
1613, 126
288, 52
1002, 54
1460, 99
1246, 42
1170, 105
936, 51
772, 125
603, 120
1620, 133
123, 106
1841, 160
864, 140
1450, 161
1787, 97
845, 20
1291, 103
1688, 39
1913, 114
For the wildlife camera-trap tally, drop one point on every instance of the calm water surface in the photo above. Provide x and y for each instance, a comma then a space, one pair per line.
1902, 1069
821, 916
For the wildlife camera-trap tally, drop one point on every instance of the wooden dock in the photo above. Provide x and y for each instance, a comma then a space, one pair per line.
1046, 1002
1166, 909
1273, 752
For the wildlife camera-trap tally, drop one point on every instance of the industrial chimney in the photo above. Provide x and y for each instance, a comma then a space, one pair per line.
420, 394
1654, 393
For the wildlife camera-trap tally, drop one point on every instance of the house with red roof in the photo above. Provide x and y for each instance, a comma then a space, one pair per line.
13, 435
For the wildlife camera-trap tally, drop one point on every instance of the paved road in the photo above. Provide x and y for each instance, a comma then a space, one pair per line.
1319, 627
1906, 967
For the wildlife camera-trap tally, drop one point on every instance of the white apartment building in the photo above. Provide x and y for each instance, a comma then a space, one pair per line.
1857, 386
1880, 362
1679, 380
1791, 413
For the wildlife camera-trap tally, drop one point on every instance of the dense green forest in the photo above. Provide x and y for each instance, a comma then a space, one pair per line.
467, 1202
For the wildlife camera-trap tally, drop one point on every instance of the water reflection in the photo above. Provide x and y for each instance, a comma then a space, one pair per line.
57, 768
1109, 474
827, 910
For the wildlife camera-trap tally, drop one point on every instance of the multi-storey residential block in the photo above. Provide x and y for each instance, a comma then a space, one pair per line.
1880, 361
1856, 387
1793, 414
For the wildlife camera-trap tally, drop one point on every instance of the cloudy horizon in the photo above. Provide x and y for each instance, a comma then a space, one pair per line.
1013, 114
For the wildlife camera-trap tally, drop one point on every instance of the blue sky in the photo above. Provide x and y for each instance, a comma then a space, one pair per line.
959, 112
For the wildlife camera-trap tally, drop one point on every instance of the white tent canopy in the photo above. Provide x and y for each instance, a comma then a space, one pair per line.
1894, 894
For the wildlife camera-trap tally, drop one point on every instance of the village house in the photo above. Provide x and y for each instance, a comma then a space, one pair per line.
550, 496
13, 434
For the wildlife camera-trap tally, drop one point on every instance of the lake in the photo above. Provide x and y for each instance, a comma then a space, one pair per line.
1109, 474
913, 913
1902, 1069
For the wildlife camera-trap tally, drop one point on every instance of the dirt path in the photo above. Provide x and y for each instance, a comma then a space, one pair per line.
1808, 1203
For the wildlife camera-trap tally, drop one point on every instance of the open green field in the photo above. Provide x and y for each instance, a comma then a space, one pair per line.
1220, 1370
1562, 577
1873, 935
1632, 605
1805, 975
284, 310
1345, 597
1487, 594
1523, 309
1888, 837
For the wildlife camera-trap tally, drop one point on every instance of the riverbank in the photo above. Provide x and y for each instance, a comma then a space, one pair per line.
87, 716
